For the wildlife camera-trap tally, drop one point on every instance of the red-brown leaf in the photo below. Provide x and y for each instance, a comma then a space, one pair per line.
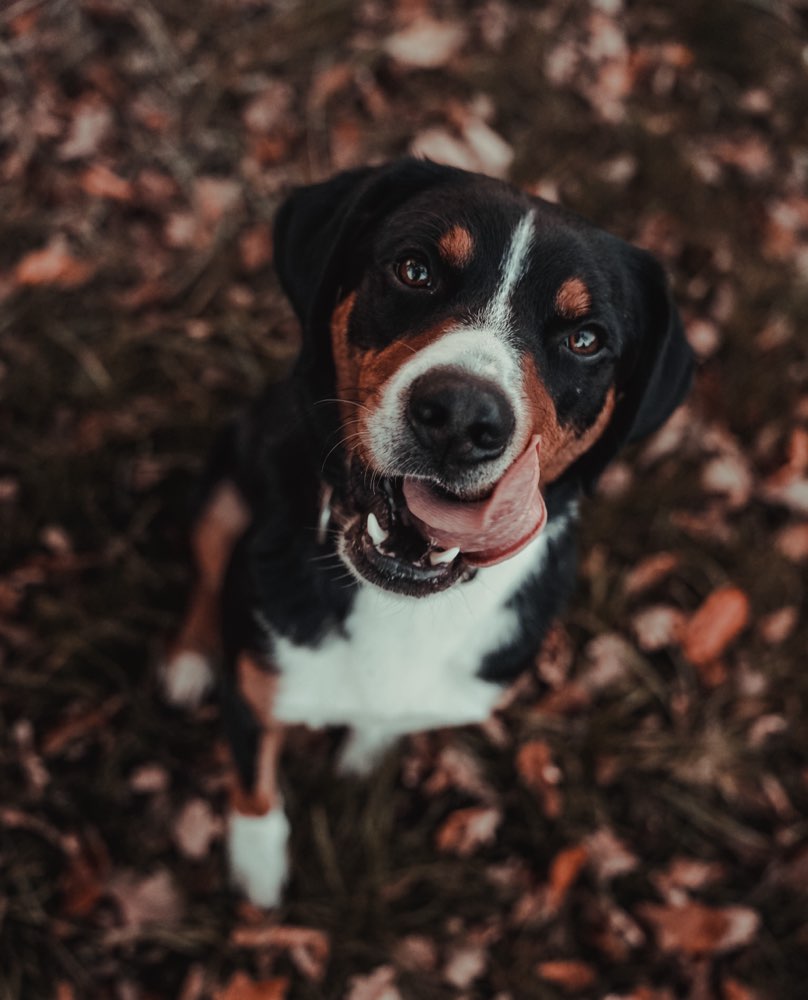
695, 929
715, 625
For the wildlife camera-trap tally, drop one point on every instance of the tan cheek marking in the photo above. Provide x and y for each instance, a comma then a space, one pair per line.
456, 246
258, 686
362, 374
573, 299
560, 446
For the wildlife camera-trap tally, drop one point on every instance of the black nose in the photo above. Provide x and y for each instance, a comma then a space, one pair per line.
459, 418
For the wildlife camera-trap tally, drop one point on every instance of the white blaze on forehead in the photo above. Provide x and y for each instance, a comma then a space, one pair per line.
514, 263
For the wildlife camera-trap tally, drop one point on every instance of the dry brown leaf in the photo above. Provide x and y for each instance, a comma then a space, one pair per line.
464, 964
92, 121
608, 855
416, 953
696, 929
734, 989
657, 627
142, 900
241, 987
255, 247
730, 476
309, 948
457, 768
685, 875
649, 572
426, 43
101, 182
610, 658
715, 625
779, 625
534, 764
54, 264
196, 828
792, 542
79, 725
465, 830
572, 976
215, 197
377, 985
565, 868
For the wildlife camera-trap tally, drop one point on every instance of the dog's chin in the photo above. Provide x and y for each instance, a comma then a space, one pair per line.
380, 544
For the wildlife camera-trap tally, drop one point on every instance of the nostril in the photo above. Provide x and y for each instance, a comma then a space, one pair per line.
486, 436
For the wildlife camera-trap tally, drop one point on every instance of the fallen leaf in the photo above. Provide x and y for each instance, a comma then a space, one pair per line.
255, 247
215, 197
715, 625
91, 123
309, 948
685, 875
657, 627
792, 542
464, 964
457, 768
196, 828
565, 868
241, 987
149, 899
535, 767
734, 989
101, 182
730, 476
426, 43
377, 985
649, 572
696, 929
570, 975
610, 658
54, 264
608, 855
465, 830
779, 625
416, 953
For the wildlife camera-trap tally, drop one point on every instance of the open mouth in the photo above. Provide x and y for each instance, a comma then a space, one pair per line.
381, 542
412, 537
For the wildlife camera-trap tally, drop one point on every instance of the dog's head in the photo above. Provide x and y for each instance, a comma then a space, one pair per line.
478, 345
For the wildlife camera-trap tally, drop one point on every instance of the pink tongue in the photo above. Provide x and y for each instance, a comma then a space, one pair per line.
485, 531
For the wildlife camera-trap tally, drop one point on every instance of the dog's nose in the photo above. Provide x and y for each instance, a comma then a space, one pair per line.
459, 418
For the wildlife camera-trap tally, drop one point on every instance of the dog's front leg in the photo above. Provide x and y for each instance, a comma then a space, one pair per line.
187, 673
258, 830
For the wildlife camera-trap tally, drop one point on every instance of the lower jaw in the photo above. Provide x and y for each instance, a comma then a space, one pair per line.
395, 575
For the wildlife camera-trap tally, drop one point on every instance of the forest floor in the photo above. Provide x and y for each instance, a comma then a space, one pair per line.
635, 824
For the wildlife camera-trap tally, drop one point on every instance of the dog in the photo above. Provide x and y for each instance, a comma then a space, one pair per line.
386, 534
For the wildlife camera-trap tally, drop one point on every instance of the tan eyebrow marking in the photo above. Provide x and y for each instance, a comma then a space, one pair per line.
457, 246
573, 299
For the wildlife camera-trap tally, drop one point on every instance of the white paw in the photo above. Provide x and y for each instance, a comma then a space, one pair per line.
186, 677
257, 848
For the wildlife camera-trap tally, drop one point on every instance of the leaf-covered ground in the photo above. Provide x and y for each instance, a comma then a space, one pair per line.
635, 823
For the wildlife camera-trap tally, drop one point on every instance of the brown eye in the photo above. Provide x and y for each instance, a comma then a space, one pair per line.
413, 272
584, 342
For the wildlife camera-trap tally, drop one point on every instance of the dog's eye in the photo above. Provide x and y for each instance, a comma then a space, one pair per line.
584, 342
414, 272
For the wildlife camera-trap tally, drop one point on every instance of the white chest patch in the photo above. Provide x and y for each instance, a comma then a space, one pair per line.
406, 664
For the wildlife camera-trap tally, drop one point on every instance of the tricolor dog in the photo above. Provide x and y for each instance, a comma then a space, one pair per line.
386, 535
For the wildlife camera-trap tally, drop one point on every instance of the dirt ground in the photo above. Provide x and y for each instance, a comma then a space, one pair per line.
635, 824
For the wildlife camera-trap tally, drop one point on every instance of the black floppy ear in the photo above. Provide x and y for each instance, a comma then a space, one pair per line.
318, 228
660, 370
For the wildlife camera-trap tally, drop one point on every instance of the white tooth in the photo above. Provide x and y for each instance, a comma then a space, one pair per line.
437, 557
375, 530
